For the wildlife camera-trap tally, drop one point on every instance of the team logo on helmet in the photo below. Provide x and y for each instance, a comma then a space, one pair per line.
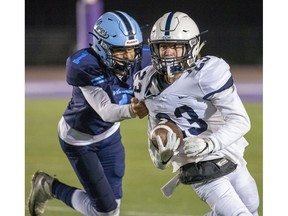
100, 31
165, 37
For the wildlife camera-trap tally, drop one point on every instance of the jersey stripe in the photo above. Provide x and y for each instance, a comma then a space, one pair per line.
227, 85
126, 23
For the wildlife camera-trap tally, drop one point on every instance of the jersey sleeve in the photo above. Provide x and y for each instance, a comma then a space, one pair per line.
141, 82
82, 69
237, 122
214, 76
216, 83
101, 103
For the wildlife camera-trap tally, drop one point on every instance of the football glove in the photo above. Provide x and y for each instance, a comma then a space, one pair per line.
166, 152
197, 147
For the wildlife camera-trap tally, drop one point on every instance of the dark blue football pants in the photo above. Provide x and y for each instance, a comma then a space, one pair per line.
100, 167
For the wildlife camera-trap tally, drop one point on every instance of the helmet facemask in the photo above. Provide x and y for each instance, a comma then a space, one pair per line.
125, 67
171, 66
179, 29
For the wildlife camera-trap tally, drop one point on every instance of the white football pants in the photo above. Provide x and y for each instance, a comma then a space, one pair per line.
235, 194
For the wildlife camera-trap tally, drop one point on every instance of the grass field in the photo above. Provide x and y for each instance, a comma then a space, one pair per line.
142, 181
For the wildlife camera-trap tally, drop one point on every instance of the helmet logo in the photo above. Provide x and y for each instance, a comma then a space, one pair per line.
100, 31
164, 37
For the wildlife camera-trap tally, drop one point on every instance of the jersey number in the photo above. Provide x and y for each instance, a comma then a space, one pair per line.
197, 129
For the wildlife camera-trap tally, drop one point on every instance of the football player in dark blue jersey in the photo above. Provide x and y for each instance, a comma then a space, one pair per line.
102, 96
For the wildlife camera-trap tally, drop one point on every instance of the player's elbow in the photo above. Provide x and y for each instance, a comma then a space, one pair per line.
241, 123
107, 118
246, 125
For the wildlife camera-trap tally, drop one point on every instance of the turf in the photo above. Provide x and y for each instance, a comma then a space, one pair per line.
142, 181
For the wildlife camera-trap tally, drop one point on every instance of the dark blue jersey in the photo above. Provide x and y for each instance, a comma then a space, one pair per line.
84, 69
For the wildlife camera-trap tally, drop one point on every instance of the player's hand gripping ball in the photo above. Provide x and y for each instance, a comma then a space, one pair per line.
162, 129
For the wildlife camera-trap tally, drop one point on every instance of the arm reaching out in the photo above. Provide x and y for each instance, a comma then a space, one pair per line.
138, 108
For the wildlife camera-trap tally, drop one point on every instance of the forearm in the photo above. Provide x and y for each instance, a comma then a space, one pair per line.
101, 103
236, 119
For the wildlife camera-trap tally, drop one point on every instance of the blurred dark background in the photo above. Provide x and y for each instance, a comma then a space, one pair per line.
235, 27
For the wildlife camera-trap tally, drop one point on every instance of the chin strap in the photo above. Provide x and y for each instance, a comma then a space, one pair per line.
200, 47
202, 44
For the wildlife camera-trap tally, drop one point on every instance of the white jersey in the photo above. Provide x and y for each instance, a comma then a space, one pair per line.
202, 102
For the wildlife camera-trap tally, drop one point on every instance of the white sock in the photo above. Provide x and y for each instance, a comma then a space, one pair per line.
81, 203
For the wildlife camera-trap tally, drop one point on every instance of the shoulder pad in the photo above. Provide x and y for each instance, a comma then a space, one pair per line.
142, 80
214, 75
82, 68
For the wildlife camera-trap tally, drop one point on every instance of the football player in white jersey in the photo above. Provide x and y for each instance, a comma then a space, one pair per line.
199, 95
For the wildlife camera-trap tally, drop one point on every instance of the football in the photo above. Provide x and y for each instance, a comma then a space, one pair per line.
162, 129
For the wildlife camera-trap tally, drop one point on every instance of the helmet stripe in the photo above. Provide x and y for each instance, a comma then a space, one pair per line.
168, 23
126, 23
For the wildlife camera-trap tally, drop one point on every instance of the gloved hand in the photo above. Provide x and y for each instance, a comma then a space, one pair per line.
138, 108
166, 152
197, 147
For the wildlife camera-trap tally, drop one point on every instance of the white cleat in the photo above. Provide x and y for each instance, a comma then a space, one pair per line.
41, 192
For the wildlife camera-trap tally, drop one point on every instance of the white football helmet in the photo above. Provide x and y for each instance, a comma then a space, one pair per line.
179, 29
